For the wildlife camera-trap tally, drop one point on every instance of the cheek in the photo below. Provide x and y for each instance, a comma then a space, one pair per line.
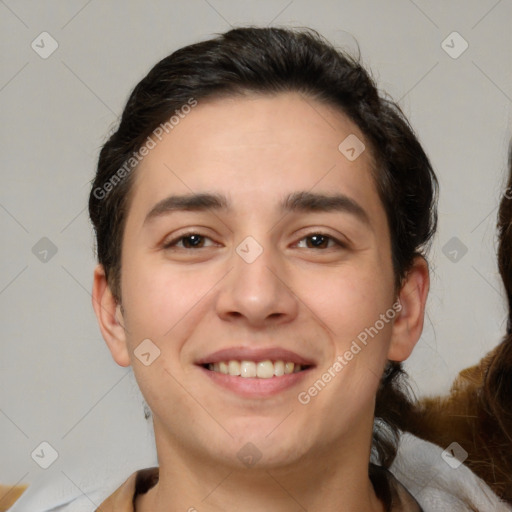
350, 303
158, 297
348, 300
166, 398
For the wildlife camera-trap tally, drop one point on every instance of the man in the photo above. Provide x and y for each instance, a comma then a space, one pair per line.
261, 269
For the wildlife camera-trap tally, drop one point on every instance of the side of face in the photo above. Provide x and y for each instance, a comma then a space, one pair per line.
257, 278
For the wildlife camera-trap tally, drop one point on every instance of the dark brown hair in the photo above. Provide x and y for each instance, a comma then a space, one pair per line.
270, 61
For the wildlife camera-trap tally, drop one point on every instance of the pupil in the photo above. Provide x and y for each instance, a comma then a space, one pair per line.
193, 240
317, 240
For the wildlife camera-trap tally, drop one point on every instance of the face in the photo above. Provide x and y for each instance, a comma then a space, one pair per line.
256, 260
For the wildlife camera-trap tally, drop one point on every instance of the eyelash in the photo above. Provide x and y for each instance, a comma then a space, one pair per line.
173, 242
336, 242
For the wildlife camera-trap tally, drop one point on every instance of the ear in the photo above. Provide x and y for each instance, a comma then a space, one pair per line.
408, 324
110, 318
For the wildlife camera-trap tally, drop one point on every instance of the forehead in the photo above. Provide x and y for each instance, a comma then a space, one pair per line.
257, 149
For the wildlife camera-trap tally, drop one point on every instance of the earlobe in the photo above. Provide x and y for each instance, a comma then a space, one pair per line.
110, 318
408, 325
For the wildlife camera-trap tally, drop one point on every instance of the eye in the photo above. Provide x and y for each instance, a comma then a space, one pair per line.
188, 241
320, 241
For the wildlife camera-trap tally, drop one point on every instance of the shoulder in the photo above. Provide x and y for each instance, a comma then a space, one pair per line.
57, 493
440, 481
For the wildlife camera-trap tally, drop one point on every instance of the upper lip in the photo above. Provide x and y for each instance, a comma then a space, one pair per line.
252, 354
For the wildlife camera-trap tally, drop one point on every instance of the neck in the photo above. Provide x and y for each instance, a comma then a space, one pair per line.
325, 482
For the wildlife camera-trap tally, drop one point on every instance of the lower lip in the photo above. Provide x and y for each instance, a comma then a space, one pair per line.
255, 387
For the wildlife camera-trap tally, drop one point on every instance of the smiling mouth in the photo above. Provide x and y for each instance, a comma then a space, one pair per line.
255, 369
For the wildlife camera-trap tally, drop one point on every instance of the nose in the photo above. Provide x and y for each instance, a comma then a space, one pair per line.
258, 293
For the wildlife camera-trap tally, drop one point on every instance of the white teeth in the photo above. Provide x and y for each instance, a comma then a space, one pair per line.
265, 369
234, 368
250, 369
278, 368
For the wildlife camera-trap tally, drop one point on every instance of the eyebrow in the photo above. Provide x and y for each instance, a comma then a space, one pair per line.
296, 202
188, 202
312, 202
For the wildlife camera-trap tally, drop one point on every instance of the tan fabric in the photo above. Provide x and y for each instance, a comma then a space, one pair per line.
9, 495
387, 488
122, 500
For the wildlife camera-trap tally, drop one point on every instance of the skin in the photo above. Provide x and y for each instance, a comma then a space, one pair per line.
312, 300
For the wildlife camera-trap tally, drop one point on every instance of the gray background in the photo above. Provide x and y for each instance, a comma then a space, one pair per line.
58, 382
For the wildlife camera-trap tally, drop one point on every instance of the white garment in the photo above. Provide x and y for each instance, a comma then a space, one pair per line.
438, 486
419, 467
59, 494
